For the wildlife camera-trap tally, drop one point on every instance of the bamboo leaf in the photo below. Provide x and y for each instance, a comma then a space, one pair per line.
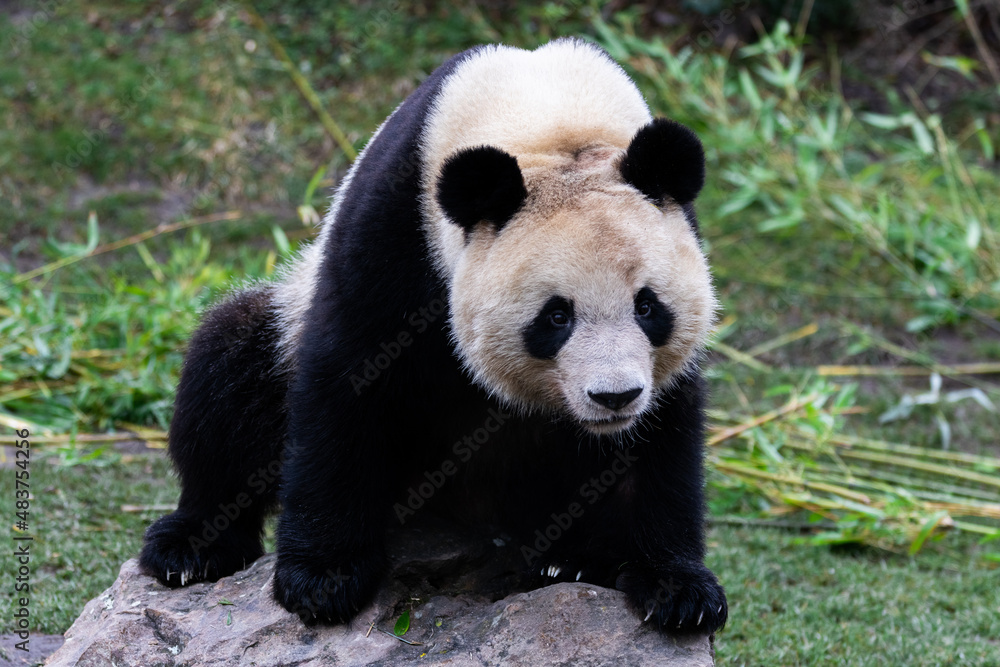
402, 624
926, 531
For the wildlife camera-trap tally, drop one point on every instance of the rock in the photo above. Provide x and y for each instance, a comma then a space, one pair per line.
39, 647
138, 621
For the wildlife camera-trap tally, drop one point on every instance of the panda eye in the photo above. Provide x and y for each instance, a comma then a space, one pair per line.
558, 319
654, 317
545, 335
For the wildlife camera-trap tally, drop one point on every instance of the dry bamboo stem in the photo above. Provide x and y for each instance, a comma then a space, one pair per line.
734, 431
782, 340
982, 368
131, 240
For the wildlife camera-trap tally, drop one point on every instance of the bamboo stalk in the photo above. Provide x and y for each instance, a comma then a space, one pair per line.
940, 489
916, 357
923, 466
741, 357
984, 50
982, 368
915, 464
782, 340
768, 523
883, 446
976, 528
131, 240
984, 511
95, 354
312, 99
797, 481
12, 422
733, 431
148, 508
150, 436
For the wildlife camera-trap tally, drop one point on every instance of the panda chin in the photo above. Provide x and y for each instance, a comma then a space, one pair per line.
609, 425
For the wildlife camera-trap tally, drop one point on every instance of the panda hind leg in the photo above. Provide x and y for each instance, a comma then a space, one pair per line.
226, 441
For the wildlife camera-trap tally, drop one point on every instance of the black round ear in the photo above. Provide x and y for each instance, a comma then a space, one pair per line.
481, 184
665, 159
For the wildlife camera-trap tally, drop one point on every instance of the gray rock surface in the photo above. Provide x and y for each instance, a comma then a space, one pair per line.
39, 648
140, 622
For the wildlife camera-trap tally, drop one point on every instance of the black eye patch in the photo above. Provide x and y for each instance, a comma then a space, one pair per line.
655, 319
550, 329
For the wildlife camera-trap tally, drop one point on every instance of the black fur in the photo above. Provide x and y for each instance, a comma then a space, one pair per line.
665, 159
226, 440
354, 444
547, 333
657, 320
481, 184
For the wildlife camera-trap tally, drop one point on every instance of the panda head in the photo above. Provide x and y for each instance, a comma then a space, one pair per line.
580, 286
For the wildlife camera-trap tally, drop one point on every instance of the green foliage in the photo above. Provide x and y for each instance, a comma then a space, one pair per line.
93, 349
794, 163
871, 227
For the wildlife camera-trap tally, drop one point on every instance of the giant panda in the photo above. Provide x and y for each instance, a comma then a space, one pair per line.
508, 298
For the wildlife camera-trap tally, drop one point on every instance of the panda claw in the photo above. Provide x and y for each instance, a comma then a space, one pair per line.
579, 574
700, 616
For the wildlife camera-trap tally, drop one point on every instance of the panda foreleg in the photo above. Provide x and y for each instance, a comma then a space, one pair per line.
226, 443
331, 554
666, 578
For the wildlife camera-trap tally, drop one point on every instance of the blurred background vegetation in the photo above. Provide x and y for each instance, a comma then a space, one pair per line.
153, 152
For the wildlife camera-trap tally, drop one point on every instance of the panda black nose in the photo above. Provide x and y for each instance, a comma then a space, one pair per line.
616, 401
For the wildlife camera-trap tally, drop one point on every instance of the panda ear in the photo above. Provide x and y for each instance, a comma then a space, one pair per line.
481, 184
665, 159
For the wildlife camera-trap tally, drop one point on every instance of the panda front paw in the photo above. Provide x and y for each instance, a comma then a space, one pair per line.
684, 599
330, 595
179, 550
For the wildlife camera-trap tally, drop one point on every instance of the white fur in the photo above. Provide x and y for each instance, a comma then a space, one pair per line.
567, 113
296, 282
535, 105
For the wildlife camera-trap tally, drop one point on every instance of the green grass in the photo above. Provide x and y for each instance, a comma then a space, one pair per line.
81, 535
791, 605
881, 230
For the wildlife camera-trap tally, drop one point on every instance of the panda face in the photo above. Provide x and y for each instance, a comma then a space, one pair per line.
588, 302
555, 208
